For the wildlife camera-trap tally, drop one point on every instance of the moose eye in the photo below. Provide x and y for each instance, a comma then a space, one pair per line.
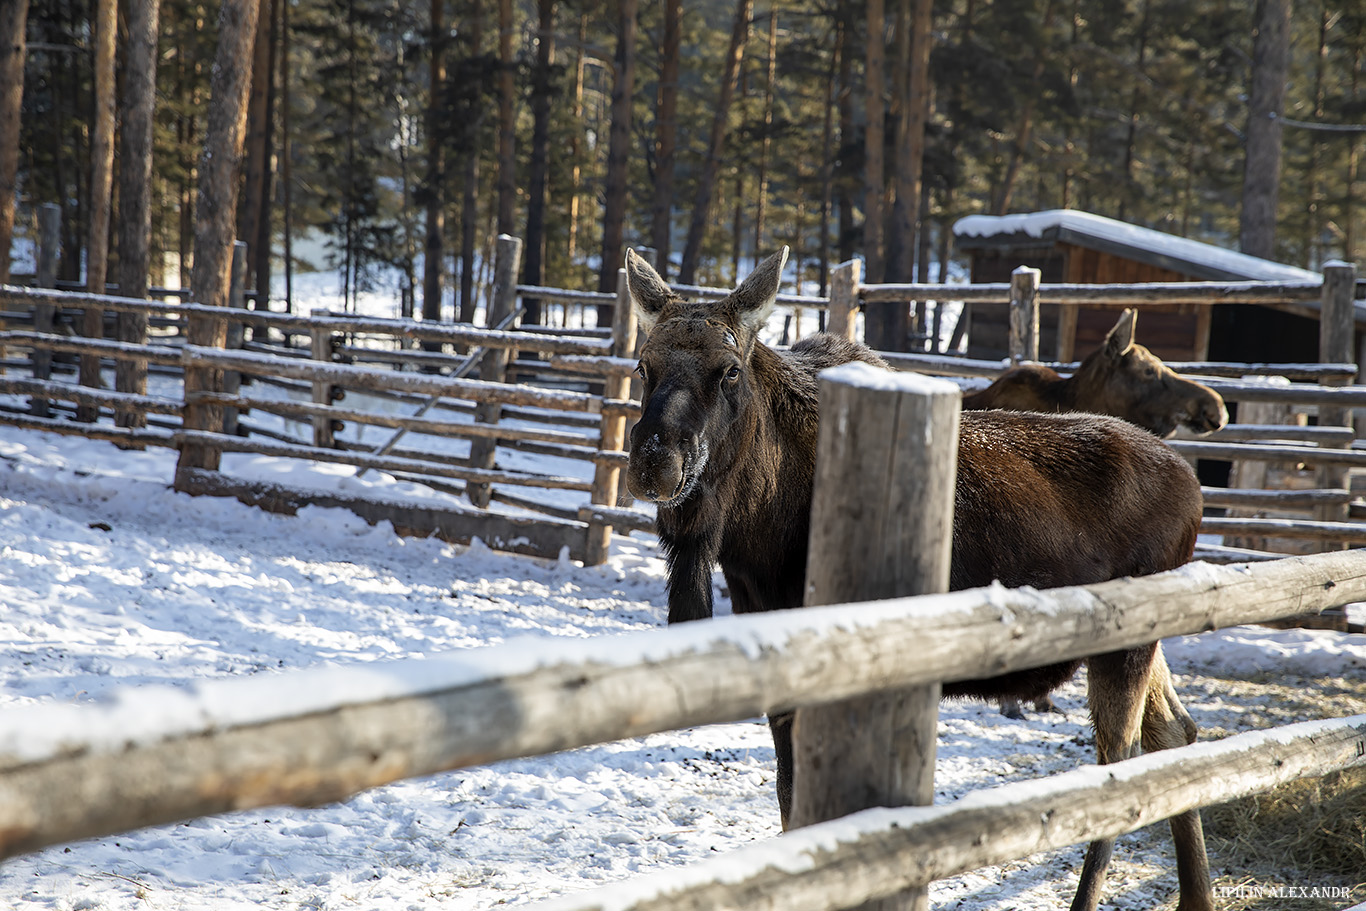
640, 369
733, 374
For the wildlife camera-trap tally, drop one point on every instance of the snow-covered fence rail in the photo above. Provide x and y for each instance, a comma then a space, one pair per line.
154, 755
350, 354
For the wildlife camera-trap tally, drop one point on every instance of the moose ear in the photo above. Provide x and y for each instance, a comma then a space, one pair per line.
1120, 339
750, 304
648, 291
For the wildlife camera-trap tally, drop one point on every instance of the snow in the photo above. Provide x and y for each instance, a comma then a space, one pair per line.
1181, 249
113, 583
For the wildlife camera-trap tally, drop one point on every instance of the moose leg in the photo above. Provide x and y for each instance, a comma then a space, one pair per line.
1167, 724
1117, 688
781, 726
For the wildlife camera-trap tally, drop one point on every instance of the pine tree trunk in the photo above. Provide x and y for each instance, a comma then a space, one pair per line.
666, 137
706, 183
13, 24
533, 266
434, 246
618, 152
257, 142
507, 121
469, 197
216, 209
101, 185
845, 101
135, 191
877, 328
766, 142
1266, 104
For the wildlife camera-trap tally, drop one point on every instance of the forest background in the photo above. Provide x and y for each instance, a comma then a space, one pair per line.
409, 134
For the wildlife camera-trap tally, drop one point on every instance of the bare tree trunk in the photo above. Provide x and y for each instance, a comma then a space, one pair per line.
900, 256
666, 136
828, 169
469, 199
507, 123
1140, 88
217, 209
533, 266
286, 166
101, 186
1266, 104
877, 328
257, 141
845, 101
1313, 242
13, 24
575, 143
618, 152
706, 183
434, 247
766, 144
135, 192
1019, 149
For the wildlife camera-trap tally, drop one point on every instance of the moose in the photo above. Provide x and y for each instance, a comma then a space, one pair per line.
726, 448
1121, 378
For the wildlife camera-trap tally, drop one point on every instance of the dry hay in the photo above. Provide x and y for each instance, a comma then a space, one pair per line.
1305, 834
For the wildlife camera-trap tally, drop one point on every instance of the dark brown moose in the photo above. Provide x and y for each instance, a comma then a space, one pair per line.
725, 447
1121, 378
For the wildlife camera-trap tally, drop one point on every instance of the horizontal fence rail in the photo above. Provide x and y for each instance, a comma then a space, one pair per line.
156, 755
881, 852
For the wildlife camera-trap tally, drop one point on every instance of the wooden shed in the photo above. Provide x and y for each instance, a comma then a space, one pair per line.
1078, 247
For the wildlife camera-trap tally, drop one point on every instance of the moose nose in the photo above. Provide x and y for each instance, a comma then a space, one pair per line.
655, 471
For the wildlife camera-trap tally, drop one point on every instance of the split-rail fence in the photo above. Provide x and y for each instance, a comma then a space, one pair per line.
154, 756
331, 377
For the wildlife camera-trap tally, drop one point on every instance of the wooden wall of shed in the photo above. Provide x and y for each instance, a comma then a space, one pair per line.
989, 327
1176, 332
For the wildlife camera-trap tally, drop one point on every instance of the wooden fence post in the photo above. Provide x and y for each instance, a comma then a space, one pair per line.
237, 333
1024, 315
502, 301
321, 347
1337, 335
45, 315
844, 290
881, 526
607, 476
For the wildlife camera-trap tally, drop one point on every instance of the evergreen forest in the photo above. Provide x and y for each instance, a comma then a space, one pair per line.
407, 134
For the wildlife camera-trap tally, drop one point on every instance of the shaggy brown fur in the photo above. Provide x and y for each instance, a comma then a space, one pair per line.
725, 447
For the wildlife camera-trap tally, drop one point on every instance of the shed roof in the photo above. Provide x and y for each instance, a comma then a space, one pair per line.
1200, 261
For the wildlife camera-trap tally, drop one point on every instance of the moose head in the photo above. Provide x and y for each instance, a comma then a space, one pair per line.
695, 365
1126, 379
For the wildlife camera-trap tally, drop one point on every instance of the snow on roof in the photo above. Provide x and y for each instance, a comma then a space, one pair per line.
1200, 260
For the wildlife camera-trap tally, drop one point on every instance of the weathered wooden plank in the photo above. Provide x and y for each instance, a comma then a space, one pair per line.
1286, 528
879, 852
1107, 295
1269, 452
65, 391
365, 379
531, 537
1224, 496
122, 435
226, 443
307, 411
71, 771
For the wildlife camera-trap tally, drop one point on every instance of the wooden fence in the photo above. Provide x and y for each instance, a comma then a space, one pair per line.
569, 395
156, 755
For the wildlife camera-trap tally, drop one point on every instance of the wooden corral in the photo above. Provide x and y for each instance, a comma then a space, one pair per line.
80, 771
1070, 247
567, 394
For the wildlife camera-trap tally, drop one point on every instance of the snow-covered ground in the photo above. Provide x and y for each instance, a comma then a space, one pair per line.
110, 579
